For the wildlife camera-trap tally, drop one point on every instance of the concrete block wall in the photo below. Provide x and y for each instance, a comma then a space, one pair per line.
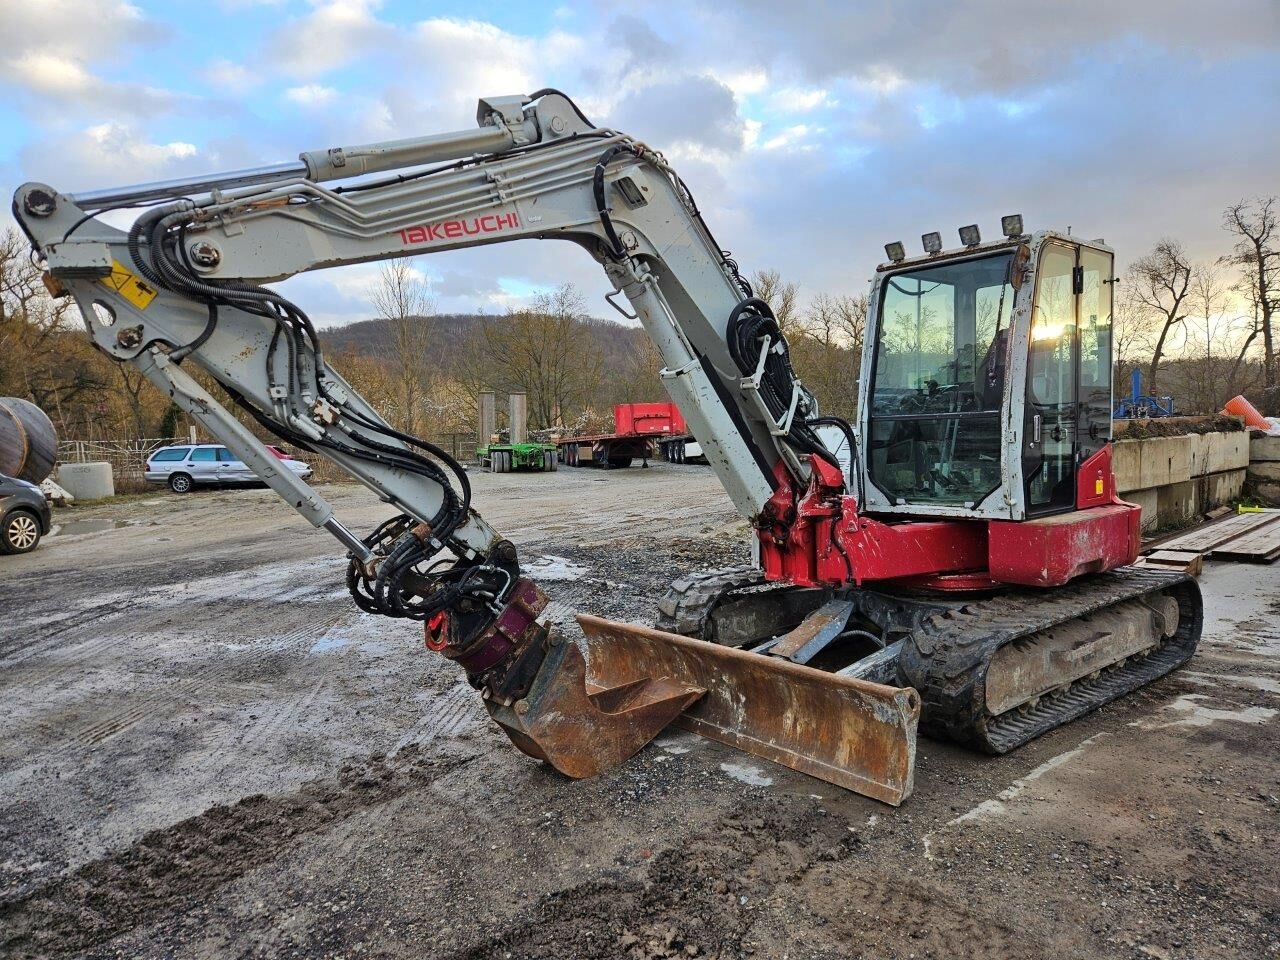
1264, 467
1175, 479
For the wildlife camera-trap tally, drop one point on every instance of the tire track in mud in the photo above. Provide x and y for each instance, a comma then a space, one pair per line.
32, 636
450, 715
176, 868
731, 890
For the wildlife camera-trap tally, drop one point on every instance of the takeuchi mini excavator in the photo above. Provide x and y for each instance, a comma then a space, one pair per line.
957, 558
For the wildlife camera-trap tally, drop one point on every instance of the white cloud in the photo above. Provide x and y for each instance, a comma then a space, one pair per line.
789, 137
124, 142
311, 95
77, 29
881, 80
475, 58
63, 39
109, 154
799, 99
700, 113
745, 83
332, 35
46, 72
229, 77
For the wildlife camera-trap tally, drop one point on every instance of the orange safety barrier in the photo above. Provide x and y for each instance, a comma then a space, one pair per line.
1240, 407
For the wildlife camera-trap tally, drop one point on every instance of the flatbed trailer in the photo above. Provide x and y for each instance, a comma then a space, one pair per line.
639, 429
682, 449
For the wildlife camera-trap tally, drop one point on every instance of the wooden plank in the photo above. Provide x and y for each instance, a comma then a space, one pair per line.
1189, 563
1258, 546
1216, 534
1173, 556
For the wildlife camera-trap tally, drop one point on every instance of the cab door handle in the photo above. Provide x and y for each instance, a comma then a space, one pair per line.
1035, 429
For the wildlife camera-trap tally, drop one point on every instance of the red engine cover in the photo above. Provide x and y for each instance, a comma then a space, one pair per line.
1050, 551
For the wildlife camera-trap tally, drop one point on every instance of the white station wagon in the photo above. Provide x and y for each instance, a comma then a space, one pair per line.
207, 464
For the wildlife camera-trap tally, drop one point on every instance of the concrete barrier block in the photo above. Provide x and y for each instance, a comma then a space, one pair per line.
1232, 452
1200, 452
1222, 488
1147, 500
1126, 462
1177, 503
1264, 448
1265, 470
87, 481
1165, 460
1267, 491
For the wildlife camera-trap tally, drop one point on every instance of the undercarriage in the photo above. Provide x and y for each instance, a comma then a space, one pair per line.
994, 669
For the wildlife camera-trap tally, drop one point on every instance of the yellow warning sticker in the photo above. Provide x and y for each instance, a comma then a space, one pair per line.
129, 285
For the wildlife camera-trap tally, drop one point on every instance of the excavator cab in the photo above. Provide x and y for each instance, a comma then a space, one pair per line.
989, 385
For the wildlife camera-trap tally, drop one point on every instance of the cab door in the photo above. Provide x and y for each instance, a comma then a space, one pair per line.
1096, 284
1051, 417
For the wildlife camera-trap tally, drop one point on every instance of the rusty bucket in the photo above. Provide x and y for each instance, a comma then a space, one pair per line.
587, 716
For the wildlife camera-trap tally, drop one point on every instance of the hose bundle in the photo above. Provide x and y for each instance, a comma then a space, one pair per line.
751, 324
401, 587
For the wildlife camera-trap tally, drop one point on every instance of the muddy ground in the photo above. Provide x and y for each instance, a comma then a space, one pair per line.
209, 752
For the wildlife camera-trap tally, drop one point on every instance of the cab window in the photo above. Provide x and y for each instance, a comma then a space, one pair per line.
204, 455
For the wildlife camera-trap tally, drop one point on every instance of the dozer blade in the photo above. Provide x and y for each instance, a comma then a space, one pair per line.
855, 734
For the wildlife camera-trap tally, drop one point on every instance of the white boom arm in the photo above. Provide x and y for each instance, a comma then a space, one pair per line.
185, 283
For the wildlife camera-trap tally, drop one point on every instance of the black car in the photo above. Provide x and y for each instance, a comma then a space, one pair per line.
24, 515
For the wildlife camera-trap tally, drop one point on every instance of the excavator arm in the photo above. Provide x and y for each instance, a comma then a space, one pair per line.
186, 285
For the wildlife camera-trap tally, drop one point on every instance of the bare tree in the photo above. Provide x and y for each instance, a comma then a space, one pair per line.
400, 297
827, 349
1256, 227
43, 356
547, 350
1161, 284
782, 296
1213, 338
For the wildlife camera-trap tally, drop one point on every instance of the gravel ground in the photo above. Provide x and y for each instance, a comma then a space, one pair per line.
209, 752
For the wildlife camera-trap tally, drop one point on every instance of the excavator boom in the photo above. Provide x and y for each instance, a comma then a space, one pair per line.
186, 285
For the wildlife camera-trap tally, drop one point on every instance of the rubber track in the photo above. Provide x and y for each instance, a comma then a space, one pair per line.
689, 601
947, 659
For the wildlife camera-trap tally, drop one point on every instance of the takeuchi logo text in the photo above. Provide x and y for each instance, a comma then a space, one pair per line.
456, 229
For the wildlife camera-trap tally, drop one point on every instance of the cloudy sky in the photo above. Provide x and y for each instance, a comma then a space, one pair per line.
811, 133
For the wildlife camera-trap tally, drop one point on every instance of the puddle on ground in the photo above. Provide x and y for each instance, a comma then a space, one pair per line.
1195, 714
1267, 684
327, 643
553, 568
747, 774
75, 528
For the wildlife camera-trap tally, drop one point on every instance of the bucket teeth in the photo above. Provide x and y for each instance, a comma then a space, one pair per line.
585, 719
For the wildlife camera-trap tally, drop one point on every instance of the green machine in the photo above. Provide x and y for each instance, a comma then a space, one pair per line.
518, 453
506, 457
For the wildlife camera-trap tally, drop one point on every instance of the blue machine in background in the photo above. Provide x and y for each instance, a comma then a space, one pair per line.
1138, 406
